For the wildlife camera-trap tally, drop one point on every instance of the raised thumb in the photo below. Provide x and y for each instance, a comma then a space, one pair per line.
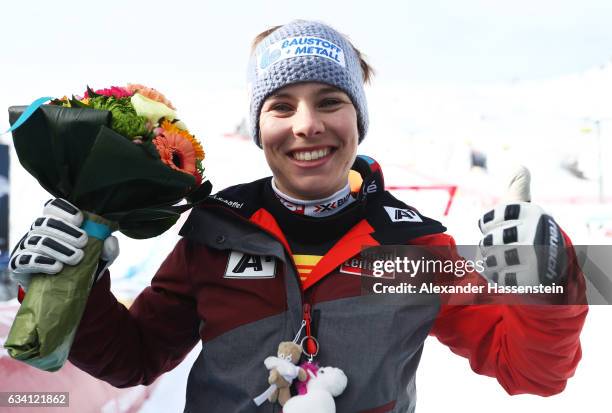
519, 187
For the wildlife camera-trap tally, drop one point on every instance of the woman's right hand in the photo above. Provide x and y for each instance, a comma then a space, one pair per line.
55, 240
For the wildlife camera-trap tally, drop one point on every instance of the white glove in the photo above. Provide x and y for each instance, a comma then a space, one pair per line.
55, 240
521, 244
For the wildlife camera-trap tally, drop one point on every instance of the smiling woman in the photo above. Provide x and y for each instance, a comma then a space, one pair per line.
309, 135
308, 110
280, 260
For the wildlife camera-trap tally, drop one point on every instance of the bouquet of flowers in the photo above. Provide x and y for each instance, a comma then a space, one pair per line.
121, 156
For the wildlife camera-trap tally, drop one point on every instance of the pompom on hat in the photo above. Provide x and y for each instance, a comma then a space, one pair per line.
305, 51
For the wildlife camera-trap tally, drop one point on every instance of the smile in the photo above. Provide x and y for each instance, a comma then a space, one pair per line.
311, 155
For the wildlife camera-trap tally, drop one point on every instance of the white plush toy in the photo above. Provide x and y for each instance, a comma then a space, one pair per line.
328, 383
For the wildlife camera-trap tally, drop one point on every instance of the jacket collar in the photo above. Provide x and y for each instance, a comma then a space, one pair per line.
379, 206
387, 220
246, 199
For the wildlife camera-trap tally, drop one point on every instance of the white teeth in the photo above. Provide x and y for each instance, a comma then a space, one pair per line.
312, 155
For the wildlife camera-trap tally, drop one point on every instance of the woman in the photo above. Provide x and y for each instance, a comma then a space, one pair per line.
261, 262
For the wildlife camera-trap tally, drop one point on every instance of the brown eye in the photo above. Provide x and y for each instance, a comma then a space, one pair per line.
280, 107
330, 102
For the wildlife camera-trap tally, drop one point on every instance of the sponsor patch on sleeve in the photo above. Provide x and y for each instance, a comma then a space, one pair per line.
247, 266
402, 215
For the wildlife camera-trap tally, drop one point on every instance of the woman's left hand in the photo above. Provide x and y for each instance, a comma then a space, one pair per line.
521, 243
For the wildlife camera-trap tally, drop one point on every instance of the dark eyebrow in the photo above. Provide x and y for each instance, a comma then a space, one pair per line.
280, 95
330, 89
322, 91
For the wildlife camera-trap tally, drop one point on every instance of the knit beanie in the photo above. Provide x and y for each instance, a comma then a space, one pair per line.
305, 51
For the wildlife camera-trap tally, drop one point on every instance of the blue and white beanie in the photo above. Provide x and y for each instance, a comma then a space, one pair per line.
305, 51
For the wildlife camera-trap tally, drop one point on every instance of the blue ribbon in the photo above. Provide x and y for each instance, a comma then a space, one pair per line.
28, 112
96, 230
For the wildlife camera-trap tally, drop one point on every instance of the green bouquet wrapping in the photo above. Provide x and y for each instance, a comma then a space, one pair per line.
121, 156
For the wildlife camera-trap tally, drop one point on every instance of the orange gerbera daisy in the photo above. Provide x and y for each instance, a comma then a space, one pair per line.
177, 152
170, 127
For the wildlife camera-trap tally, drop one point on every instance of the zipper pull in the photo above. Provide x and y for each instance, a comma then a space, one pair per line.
309, 343
307, 317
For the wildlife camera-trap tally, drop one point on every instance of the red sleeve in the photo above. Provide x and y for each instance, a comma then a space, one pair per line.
129, 347
528, 348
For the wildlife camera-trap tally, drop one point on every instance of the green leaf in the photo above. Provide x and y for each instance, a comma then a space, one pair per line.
200, 193
125, 120
57, 102
77, 103
148, 228
119, 175
151, 149
54, 142
91, 93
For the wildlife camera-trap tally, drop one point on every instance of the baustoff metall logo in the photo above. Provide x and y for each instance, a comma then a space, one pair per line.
300, 46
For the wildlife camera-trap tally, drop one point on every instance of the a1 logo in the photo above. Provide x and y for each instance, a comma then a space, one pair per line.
248, 266
402, 215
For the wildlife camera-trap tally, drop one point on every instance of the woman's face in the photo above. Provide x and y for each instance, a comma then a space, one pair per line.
309, 136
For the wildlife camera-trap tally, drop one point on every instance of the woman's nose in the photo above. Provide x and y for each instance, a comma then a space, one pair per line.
307, 123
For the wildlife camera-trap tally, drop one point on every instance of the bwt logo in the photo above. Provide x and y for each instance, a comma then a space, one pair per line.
332, 205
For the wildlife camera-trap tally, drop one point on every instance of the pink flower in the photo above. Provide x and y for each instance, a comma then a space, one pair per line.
150, 93
114, 91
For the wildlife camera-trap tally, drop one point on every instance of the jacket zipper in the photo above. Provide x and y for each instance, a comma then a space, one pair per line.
306, 306
309, 345
311, 320
294, 266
